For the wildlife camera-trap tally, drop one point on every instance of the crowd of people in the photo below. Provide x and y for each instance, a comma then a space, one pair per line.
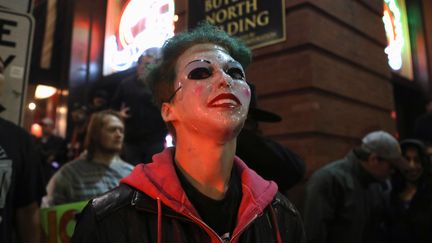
222, 181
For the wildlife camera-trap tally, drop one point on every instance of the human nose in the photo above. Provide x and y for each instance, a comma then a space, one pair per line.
119, 132
411, 163
225, 80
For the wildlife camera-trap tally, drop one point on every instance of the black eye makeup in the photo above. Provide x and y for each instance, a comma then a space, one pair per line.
202, 69
235, 70
199, 69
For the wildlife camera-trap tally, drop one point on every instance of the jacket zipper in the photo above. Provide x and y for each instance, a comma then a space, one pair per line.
200, 222
243, 228
204, 225
192, 218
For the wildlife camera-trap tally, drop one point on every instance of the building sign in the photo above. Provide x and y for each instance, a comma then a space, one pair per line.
58, 223
16, 36
132, 27
257, 23
396, 27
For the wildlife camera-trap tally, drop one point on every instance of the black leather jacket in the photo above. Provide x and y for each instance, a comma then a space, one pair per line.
128, 215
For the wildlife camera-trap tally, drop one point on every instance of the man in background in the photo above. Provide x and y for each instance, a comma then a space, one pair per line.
96, 171
52, 148
145, 130
20, 182
79, 119
346, 200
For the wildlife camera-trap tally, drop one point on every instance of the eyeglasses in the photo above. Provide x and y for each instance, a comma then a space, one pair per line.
202, 69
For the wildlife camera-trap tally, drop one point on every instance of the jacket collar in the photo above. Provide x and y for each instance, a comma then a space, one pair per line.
159, 181
363, 176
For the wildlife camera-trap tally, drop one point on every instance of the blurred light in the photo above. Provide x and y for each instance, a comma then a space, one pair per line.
175, 18
44, 91
61, 120
397, 29
393, 115
36, 130
55, 164
65, 93
62, 110
169, 141
32, 106
143, 24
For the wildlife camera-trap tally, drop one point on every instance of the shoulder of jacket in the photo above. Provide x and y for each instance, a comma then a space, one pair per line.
281, 201
113, 200
333, 169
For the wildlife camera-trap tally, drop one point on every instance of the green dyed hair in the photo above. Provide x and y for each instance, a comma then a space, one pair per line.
163, 75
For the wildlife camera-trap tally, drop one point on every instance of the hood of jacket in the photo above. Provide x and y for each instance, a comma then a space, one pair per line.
159, 181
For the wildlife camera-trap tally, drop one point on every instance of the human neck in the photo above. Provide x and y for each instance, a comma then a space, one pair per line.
206, 165
104, 158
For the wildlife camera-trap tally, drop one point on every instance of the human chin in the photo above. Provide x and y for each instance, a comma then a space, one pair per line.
229, 123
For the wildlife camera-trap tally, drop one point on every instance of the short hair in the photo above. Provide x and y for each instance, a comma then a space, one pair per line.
163, 75
94, 128
154, 52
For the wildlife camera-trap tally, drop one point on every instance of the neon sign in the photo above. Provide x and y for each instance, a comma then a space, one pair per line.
399, 47
143, 24
394, 31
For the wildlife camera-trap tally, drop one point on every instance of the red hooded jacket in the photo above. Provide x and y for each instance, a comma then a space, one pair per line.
154, 193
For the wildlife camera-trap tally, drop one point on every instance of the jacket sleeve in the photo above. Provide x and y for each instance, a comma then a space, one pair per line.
86, 229
320, 204
290, 222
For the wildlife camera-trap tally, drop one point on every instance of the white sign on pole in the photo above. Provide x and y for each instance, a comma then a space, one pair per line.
16, 38
22, 6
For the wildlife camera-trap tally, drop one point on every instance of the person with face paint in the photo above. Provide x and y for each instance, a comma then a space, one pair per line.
410, 216
198, 190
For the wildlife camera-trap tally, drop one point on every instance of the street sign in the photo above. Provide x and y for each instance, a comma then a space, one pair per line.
22, 6
16, 38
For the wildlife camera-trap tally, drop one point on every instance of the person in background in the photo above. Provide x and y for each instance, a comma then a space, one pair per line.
96, 171
20, 182
346, 200
197, 191
145, 131
268, 158
410, 214
99, 101
79, 118
52, 149
422, 126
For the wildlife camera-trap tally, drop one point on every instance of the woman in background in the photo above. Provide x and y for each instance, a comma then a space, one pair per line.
411, 197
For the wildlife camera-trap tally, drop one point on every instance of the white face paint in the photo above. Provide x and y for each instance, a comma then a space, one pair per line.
213, 96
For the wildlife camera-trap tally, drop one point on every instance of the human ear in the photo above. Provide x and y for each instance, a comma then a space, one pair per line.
167, 112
